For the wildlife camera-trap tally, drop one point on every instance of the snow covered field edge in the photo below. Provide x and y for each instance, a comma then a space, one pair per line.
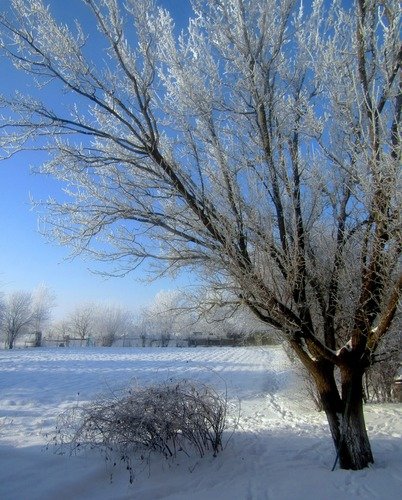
280, 450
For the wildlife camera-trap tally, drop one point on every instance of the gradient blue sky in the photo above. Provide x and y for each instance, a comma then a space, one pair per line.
26, 259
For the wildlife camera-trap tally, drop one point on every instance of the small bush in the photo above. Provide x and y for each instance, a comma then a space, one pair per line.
164, 419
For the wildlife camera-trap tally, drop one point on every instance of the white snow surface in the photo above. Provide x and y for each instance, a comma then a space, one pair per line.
280, 450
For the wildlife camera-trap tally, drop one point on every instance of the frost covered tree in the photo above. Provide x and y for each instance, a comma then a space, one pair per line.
2, 310
60, 331
261, 146
43, 301
162, 320
2, 305
17, 316
110, 323
81, 322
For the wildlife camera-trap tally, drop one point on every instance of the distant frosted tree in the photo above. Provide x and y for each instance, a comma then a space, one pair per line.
60, 331
260, 147
81, 322
2, 310
161, 319
43, 301
110, 323
18, 316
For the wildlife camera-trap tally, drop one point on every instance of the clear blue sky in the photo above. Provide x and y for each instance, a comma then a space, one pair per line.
26, 259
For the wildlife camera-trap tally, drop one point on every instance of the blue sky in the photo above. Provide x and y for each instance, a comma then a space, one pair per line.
26, 259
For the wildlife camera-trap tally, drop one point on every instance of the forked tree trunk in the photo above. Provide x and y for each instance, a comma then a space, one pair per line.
345, 416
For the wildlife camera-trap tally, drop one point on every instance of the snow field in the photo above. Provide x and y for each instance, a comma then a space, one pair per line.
280, 450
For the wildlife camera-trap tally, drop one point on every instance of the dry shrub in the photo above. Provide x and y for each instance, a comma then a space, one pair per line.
164, 419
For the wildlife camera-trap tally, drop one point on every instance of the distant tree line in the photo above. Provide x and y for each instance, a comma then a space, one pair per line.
173, 318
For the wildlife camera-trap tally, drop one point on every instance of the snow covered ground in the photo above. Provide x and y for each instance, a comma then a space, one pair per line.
280, 450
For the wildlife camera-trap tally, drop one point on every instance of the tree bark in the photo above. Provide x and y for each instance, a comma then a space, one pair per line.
345, 415
354, 447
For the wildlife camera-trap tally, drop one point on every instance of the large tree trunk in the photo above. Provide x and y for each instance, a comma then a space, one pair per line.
345, 415
10, 342
354, 447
